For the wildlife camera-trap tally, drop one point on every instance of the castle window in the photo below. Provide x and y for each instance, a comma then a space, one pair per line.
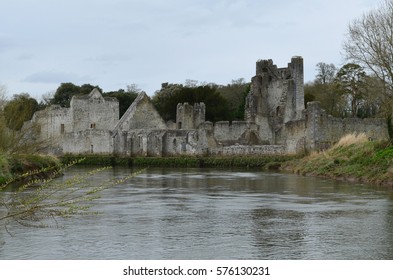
62, 129
93, 126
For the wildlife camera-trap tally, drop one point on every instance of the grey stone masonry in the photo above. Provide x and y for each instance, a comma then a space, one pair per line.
276, 122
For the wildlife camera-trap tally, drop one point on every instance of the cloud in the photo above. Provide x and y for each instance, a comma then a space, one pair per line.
25, 56
113, 43
47, 77
5, 43
110, 57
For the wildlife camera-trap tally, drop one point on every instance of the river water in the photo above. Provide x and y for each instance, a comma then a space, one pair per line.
217, 214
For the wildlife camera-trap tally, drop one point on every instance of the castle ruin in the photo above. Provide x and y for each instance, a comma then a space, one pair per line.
276, 122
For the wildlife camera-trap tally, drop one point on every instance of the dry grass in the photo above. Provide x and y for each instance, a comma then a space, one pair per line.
351, 139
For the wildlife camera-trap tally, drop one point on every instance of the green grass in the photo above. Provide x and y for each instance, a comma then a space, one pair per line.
266, 162
365, 161
4, 169
23, 165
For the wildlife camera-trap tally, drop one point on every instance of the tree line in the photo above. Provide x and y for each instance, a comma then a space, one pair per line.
364, 86
345, 92
222, 102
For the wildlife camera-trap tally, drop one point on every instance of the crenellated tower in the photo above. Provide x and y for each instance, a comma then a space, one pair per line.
276, 97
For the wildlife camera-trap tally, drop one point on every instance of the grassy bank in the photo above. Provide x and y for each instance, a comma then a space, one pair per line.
24, 166
265, 162
353, 158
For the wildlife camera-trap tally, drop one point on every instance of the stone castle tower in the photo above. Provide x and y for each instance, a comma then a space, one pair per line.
190, 116
276, 97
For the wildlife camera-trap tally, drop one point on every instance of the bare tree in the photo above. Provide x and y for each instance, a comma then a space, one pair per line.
133, 88
369, 42
325, 73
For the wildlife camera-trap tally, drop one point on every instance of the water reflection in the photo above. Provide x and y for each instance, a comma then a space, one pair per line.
218, 214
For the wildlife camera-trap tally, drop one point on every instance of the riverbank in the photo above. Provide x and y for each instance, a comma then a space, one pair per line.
353, 159
263, 162
25, 166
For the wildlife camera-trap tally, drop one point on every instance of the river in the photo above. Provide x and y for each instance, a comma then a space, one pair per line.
217, 214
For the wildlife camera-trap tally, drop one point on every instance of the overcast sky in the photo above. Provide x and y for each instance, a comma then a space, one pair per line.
113, 43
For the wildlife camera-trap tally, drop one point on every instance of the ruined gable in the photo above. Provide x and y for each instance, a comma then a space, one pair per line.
96, 94
141, 115
93, 111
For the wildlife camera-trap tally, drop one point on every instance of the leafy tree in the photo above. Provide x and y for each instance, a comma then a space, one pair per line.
87, 88
309, 96
216, 106
166, 99
235, 95
66, 91
5, 139
64, 94
125, 97
351, 81
324, 90
170, 95
328, 95
349, 93
20, 109
372, 104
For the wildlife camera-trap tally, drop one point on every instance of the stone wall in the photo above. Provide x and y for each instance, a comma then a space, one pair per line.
297, 74
275, 123
235, 132
52, 122
157, 143
325, 130
91, 141
295, 136
94, 112
181, 142
249, 150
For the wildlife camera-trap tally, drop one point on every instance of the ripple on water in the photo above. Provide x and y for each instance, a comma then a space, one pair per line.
217, 214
